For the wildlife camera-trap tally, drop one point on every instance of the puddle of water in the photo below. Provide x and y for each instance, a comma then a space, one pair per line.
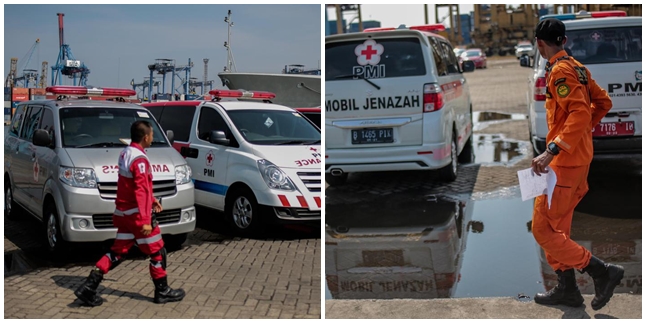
494, 149
483, 119
409, 247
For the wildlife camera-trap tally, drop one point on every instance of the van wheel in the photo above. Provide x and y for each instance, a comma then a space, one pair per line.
450, 172
11, 208
175, 241
55, 243
243, 212
467, 156
336, 180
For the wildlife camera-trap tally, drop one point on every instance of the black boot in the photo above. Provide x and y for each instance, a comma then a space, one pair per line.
566, 292
164, 294
87, 291
606, 277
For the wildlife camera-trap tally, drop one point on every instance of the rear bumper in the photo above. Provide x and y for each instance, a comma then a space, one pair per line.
604, 147
433, 156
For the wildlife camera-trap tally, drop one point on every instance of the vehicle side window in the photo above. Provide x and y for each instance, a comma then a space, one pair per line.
179, 119
452, 61
156, 112
47, 123
32, 121
438, 57
17, 120
211, 120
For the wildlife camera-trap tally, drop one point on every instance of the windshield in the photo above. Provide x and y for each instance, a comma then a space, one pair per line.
471, 53
606, 45
272, 127
104, 127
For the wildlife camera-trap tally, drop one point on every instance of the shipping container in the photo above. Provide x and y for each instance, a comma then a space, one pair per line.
7, 97
37, 91
38, 97
7, 111
7, 90
7, 104
19, 97
20, 90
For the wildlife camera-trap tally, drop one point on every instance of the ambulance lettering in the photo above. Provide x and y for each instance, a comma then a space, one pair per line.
157, 168
307, 162
629, 89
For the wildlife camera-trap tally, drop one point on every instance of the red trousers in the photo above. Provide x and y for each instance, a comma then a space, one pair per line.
551, 226
127, 234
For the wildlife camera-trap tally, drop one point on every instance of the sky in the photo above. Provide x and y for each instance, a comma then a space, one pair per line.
395, 15
117, 42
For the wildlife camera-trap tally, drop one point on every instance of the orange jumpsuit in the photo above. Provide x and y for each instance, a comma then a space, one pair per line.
575, 104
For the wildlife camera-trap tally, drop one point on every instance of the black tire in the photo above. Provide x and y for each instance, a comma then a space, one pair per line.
531, 144
467, 155
54, 241
243, 212
175, 241
450, 172
336, 180
11, 208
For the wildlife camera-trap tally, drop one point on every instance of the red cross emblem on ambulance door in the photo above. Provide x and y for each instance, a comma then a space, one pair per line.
369, 52
209, 158
36, 169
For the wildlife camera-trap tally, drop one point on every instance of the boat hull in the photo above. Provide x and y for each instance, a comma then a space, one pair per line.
292, 90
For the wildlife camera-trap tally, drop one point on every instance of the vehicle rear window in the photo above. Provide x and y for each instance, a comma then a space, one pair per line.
606, 45
374, 58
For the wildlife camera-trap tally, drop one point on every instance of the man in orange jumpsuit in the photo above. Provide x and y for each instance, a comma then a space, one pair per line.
575, 105
133, 219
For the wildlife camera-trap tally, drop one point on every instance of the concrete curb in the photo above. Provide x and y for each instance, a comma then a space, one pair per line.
622, 306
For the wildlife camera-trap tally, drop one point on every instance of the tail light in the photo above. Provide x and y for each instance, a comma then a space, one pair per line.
433, 97
540, 89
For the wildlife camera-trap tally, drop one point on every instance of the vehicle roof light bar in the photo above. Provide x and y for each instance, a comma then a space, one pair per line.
259, 95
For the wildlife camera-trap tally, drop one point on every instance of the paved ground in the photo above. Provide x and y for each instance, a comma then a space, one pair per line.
611, 231
224, 277
623, 306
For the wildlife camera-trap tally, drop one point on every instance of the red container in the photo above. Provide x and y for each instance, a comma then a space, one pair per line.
20, 90
37, 91
19, 97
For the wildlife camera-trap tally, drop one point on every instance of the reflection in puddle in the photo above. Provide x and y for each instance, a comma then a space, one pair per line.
416, 247
492, 116
495, 149
483, 119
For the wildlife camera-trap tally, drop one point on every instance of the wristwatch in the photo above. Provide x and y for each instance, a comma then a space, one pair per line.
553, 149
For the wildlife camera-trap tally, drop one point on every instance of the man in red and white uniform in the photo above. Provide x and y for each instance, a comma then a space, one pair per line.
132, 218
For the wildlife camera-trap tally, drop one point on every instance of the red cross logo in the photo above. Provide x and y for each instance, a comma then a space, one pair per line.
369, 52
209, 158
36, 168
596, 36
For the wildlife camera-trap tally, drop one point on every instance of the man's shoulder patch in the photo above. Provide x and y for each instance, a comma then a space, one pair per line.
563, 90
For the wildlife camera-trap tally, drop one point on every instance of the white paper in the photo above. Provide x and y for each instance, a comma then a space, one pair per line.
532, 185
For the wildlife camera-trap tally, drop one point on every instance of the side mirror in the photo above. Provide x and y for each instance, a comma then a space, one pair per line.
41, 138
219, 138
468, 66
171, 136
524, 61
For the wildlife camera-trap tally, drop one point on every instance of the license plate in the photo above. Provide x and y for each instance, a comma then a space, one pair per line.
614, 129
372, 136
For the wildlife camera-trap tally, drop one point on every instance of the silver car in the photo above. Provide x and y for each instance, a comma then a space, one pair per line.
60, 165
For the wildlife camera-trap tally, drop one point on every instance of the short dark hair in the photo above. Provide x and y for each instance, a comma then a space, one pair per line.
139, 130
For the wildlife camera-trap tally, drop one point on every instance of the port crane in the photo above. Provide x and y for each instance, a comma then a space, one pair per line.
28, 75
66, 64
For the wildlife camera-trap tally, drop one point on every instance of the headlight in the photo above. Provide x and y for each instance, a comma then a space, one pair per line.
183, 174
274, 176
77, 177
